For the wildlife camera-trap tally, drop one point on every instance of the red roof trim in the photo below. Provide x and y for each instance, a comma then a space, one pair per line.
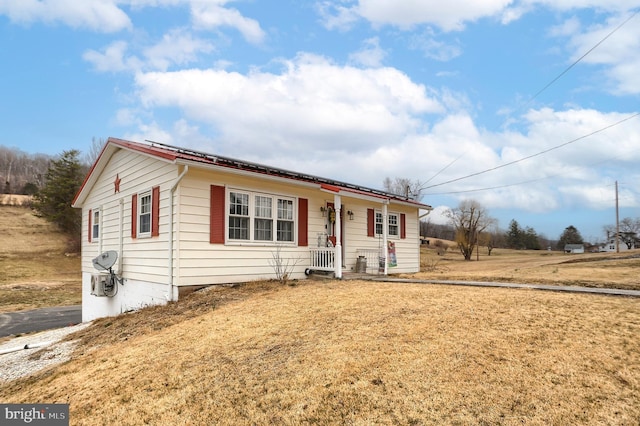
331, 188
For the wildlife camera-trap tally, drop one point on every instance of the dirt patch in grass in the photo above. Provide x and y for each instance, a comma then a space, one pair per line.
355, 353
611, 270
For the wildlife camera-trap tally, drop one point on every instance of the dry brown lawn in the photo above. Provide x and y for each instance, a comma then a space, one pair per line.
343, 352
607, 270
354, 352
35, 271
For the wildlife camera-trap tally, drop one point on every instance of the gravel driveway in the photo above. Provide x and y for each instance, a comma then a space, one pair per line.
14, 358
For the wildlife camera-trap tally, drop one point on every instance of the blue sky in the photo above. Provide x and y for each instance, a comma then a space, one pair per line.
355, 90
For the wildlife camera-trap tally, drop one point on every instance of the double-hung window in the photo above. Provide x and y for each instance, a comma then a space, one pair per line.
285, 220
145, 213
263, 229
393, 224
144, 217
95, 225
260, 217
238, 216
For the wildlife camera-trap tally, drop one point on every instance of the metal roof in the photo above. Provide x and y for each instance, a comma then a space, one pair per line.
176, 154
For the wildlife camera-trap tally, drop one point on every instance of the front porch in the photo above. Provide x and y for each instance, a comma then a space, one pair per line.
369, 261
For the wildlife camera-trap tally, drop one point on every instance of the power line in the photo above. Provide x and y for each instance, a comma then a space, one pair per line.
442, 170
526, 181
566, 70
538, 153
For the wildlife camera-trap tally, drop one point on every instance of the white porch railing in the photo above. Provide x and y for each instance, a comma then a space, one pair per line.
323, 258
374, 257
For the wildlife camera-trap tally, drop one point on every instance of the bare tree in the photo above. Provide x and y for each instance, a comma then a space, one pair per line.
404, 187
94, 150
470, 220
629, 230
20, 172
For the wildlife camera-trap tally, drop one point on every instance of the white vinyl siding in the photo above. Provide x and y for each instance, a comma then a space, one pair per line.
143, 259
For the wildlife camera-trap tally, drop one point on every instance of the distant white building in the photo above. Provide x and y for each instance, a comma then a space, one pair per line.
574, 248
625, 240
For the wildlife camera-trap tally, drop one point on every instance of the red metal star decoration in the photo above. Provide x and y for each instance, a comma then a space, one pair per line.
116, 184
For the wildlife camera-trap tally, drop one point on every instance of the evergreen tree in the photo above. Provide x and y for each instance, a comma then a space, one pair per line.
53, 201
514, 235
531, 239
570, 235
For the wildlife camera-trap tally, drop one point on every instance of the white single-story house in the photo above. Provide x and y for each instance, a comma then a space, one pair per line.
160, 221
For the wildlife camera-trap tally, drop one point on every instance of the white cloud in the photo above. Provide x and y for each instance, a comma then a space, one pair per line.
438, 215
112, 58
312, 105
212, 15
618, 53
362, 125
449, 16
434, 49
371, 54
97, 15
178, 47
336, 16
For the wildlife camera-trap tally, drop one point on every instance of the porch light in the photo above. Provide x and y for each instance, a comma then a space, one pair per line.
350, 213
323, 210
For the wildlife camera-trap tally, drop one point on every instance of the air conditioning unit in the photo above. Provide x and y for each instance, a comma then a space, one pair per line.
98, 284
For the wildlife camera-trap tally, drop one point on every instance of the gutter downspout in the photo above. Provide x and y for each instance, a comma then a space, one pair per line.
121, 237
170, 257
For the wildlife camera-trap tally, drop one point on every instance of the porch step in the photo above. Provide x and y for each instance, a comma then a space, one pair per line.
322, 275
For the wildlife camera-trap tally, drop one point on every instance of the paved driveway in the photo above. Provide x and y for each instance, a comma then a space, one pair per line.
39, 319
563, 288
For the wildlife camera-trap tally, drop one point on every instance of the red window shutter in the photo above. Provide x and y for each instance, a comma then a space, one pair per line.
403, 225
216, 223
371, 223
134, 215
303, 222
155, 211
90, 216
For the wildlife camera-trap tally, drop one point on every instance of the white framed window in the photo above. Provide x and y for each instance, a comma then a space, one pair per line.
393, 220
144, 215
394, 225
259, 217
238, 216
285, 220
95, 225
263, 221
379, 223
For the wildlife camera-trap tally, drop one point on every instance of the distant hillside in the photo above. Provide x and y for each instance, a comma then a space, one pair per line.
21, 173
35, 268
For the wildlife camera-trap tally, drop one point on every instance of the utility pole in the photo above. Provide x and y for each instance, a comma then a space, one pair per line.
617, 222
